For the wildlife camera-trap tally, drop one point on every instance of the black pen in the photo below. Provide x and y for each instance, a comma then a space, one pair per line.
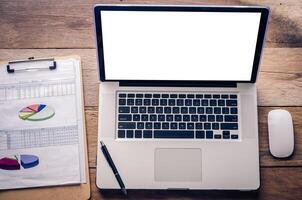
112, 166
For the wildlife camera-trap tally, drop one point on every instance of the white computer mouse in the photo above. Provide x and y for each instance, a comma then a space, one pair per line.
280, 133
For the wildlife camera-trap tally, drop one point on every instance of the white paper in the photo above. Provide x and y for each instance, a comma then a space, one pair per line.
57, 141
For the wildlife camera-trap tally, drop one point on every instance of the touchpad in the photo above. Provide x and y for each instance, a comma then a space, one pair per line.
179, 164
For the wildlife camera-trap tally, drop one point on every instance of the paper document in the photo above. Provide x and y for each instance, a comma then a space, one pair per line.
41, 126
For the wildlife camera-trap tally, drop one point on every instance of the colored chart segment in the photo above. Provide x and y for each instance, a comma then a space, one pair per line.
37, 112
12, 163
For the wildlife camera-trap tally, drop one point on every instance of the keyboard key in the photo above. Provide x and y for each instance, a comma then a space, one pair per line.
233, 96
171, 102
219, 118
177, 118
122, 95
151, 110
188, 102
159, 109
147, 102
230, 118
136, 117
194, 118
174, 96
234, 111
186, 118
217, 136
190, 96
207, 96
121, 134
225, 110
209, 110
196, 102
216, 96
129, 133
211, 118
122, 102
182, 126
167, 110
224, 96
190, 125
138, 102
155, 102
142, 109
169, 118
198, 125
226, 134
209, 134
199, 96
145, 118
202, 118
131, 95
163, 102
165, 125
147, 134
215, 126
165, 95
148, 125
234, 136
140, 125
148, 95
161, 118
204, 102
134, 109
153, 118
130, 102
123, 117
139, 95
207, 126
173, 126
200, 110
192, 110
213, 102
173, 134
126, 125
217, 110
175, 110
138, 134
231, 102
182, 96
221, 102
124, 109
200, 134
184, 110
157, 125
156, 95
180, 102
229, 126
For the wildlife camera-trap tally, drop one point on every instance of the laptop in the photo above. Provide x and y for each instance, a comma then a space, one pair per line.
177, 95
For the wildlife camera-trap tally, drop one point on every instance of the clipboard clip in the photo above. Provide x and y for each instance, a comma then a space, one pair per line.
30, 59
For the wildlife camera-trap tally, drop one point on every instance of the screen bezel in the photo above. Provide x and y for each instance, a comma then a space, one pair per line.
258, 51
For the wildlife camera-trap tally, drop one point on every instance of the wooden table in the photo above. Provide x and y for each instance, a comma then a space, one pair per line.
45, 28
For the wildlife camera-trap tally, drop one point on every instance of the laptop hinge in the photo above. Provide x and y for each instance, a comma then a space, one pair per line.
178, 83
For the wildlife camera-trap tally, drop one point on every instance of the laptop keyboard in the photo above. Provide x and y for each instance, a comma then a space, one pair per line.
174, 115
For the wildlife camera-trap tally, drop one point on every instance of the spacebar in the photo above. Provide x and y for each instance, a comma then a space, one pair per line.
173, 134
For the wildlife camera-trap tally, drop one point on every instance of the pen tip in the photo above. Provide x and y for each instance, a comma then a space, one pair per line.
102, 143
124, 191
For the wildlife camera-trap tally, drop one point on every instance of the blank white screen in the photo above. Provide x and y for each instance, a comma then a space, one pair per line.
145, 45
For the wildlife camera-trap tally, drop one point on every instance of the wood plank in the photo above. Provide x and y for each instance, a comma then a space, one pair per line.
64, 24
266, 160
276, 183
280, 76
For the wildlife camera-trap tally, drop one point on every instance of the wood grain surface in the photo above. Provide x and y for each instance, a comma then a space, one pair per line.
44, 28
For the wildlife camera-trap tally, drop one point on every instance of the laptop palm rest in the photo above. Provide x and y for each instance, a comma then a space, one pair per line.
178, 164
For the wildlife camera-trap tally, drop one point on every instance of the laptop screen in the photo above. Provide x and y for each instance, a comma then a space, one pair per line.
169, 45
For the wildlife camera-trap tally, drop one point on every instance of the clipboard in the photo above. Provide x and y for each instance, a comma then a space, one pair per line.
77, 191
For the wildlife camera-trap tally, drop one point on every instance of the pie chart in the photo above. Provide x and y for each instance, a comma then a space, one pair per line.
37, 112
14, 163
